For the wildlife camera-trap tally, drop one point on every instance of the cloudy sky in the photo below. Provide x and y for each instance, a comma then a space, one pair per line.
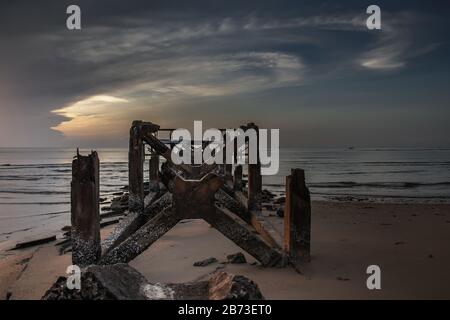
310, 68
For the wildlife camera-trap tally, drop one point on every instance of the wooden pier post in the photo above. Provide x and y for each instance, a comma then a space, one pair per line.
237, 179
154, 167
254, 178
136, 168
85, 211
227, 167
254, 187
228, 171
297, 218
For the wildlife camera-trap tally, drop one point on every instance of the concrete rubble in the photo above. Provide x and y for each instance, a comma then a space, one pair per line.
122, 282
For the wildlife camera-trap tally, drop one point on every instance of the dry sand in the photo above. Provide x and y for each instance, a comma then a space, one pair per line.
410, 242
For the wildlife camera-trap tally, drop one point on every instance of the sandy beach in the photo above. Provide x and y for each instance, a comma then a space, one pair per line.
408, 241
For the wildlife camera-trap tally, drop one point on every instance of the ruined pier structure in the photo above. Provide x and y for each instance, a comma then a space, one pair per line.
215, 193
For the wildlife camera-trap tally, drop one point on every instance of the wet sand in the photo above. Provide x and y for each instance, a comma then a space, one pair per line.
410, 242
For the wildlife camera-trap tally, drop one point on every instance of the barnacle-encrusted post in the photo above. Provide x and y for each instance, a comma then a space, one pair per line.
254, 177
136, 168
85, 213
237, 179
297, 218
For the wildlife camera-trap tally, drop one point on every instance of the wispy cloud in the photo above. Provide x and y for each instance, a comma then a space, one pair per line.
395, 44
157, 63
219, 76
390, 54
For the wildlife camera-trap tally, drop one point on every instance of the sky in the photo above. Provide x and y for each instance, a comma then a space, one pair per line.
309, 68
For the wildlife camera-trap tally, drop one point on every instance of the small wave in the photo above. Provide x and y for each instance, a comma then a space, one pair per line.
35, 192
38, 166
62, 170
375, 172
381, 196
61, 167
407, 149
388, 185
274, 184
340, 162
20, 178
115, 163
36, 203
113, 171
35, 215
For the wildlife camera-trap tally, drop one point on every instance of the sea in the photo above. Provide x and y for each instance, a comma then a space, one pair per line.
35, 182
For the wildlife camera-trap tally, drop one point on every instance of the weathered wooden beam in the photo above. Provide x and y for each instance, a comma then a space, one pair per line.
245, 237
254, 194
136, 168
254, 177
85, 210
254, 187
254, 218
157, 145
237, 178
242, 198
154, 167
149, 127
297, 218
229, 171
235, 206
135, 220
158, 205
164, 151
142, 238
195, 198
264, 228
227, 167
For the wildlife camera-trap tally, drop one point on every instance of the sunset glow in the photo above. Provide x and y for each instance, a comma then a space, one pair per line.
96, 115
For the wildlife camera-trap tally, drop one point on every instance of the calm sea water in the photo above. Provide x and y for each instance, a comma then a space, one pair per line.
35, 183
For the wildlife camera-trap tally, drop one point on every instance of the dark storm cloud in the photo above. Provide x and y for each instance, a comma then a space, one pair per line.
166, 52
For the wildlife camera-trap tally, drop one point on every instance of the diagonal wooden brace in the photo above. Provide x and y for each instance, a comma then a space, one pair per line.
195, 199
142, 238
225, 200
255, 218
135, 220
245, 237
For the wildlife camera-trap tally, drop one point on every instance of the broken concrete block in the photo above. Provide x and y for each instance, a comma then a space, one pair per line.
236, 258
122, 282
205, 262
114, 282
224, 286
